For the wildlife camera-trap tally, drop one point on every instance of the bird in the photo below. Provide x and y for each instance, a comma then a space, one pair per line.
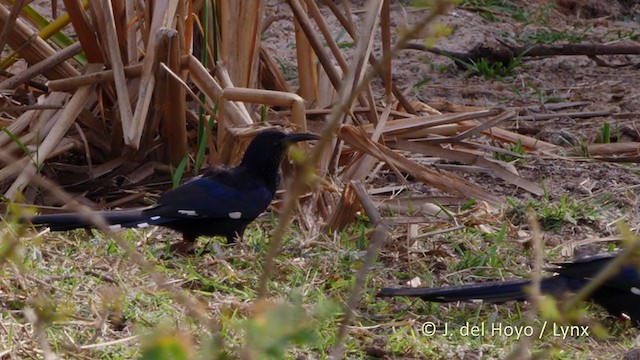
619, 295
220, 202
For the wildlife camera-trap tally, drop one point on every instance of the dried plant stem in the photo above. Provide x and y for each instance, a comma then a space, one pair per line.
41, 67
67, 118
380, 234
8, 26
72, 83
115, 57
33, 48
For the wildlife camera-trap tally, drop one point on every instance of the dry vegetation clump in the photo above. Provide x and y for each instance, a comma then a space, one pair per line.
106, 104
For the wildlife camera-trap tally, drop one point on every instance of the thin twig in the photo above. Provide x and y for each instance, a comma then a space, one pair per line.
378, 238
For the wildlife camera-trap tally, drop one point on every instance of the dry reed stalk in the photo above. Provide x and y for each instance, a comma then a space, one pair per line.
527, 142
210, 87
85, 31
72, 83
611, 149
364, 165
356, 74
305, 25
132, 38
317, 17
30, 117
408, 127
174, 119
443, 181
345, 210
68, 116
41, 67
271, 78
307, 72
8, 26
326, 92
315, 14
64, 146
385, 35
476, 130
415, 206
33, 119
240, 31
272, 98
163, 16
395, 114
496, 168
347, 23
226, 82
121, 25
115, 57
364, 45
32, 48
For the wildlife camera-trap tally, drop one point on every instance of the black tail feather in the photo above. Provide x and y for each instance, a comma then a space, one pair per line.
69, 221
498, 291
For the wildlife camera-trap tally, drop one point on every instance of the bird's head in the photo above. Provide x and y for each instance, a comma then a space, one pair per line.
266, 150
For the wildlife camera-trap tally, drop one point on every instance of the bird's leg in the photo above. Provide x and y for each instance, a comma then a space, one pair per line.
185, 247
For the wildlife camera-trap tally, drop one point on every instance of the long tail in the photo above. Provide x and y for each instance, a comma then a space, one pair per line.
69, 221
497, 291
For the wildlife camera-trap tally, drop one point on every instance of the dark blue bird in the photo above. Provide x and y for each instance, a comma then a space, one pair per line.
220, 202
619, 295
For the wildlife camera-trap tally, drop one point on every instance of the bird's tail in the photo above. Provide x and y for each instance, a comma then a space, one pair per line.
69, 221
497, 291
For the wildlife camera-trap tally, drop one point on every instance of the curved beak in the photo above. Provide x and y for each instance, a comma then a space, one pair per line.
296, 137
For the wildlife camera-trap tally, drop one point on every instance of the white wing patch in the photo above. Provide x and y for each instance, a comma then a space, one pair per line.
143, 225
635, 291
188, 212
115, 227
155, 218
235, 215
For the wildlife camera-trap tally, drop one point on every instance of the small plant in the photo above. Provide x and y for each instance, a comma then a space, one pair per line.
176, 175
554, 215
488, 8
422, 83
584, 149
551, 36
605, 133
491, 70
490, 257
517, 148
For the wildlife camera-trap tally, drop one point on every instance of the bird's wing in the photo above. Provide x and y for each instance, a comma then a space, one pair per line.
205, 197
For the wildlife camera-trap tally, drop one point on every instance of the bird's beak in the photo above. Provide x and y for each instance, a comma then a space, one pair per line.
296, 137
